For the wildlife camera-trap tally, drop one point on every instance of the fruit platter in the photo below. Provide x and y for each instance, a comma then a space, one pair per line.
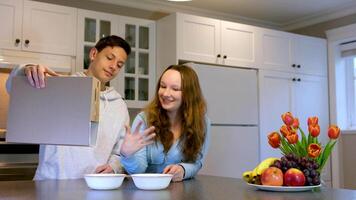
302, 161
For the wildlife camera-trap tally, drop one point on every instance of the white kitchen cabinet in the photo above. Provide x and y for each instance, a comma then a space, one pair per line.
136, 81
293, 53
276, 50
38, 27
200, 39
183, 37
197, 38
309, 54
11, 28
303, 95
239, 44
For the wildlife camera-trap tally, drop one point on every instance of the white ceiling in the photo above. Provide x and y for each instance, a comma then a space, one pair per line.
283, 14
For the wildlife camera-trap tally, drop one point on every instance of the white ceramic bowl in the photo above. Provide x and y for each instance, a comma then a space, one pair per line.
152, 181
104, 181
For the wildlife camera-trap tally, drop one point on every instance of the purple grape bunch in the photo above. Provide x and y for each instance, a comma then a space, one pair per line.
308, 166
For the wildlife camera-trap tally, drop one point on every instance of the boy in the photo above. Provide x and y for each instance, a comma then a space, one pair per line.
72, 162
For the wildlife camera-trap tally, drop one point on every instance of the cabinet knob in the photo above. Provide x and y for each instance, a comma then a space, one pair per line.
225, 56
299, 79
294, 65
218, 56
298, 66
27, 42
17, 41
294, 79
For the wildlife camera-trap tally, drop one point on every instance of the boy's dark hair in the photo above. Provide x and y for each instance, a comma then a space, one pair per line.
113, 41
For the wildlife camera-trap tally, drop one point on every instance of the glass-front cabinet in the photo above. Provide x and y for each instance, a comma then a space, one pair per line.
91, 27
136, 81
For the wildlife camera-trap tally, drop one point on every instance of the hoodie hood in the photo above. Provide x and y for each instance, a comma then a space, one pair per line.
109, 94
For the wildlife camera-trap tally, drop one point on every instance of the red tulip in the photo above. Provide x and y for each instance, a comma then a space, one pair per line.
314, 130
314, 150
274, 139
292, 138
333, 132
312, 121
287, 118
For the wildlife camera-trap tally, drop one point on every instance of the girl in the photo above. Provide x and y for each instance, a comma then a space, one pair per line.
182, 131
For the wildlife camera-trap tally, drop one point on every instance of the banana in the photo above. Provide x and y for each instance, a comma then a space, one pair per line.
247, 176
265, 164
254, 176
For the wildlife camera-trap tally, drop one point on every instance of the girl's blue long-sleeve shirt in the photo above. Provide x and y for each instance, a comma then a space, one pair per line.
152, 159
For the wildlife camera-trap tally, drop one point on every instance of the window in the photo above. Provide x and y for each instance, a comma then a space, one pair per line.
350, 72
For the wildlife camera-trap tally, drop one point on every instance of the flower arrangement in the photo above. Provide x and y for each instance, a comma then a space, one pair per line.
308, 146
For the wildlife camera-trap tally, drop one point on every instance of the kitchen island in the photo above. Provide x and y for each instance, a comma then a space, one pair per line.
199, 188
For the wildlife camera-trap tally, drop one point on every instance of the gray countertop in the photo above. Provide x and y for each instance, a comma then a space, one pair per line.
200, 188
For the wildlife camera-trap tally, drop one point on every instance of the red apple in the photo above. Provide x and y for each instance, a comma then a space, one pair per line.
294, 177
272, 176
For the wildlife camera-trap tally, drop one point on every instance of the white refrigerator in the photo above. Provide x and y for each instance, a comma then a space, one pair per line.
232, 98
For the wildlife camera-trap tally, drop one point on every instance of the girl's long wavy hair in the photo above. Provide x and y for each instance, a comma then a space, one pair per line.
192, 111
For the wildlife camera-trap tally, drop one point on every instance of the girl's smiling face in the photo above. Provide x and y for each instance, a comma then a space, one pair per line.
170, 91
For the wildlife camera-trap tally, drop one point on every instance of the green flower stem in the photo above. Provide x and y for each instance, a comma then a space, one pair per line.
284, 152
304, 139
310, 140
301, 149
285, 145
323, 158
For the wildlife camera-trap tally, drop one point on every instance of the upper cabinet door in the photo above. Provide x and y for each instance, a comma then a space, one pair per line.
198, 38
309, 55
92, 26
293, 53
136, 81
276, 50
11, 30
238, 44
49, 28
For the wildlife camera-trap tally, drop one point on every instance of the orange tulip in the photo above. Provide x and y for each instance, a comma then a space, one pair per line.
333, 132
292, 131
292, 138
284, 130
312, 121
295, 124
287, 118
314, 150
314, 130
274, 139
